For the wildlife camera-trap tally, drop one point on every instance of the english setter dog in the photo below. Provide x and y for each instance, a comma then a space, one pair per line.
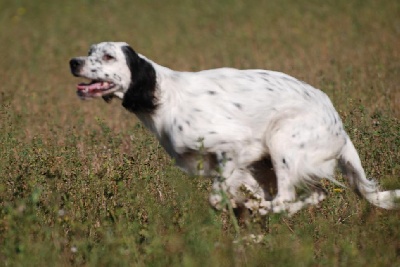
251, 130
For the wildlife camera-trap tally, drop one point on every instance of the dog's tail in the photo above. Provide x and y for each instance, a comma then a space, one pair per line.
350, 164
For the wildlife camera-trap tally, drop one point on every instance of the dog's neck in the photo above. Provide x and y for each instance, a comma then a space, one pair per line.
145, 94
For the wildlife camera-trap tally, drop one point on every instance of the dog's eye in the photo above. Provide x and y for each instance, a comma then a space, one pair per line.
108, 57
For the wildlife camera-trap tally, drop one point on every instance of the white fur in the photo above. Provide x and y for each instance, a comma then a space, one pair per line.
219, 122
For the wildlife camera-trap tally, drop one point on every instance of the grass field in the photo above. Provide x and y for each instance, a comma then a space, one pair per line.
84, 184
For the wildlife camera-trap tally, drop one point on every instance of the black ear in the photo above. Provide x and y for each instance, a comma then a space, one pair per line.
140, 95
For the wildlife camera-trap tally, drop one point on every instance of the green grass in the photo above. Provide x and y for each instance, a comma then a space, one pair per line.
84, 184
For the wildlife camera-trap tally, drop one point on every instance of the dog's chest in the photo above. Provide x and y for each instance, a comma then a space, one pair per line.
194, 162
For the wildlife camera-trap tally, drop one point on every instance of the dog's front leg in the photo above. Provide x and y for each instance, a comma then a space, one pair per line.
220, 195
234, 183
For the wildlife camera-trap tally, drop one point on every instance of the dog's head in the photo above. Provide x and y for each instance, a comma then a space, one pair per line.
107, 69
115, 69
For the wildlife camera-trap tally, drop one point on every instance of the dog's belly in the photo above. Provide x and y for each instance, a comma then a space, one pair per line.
197, 164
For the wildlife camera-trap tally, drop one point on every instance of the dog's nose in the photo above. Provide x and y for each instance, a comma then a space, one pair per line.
76, 65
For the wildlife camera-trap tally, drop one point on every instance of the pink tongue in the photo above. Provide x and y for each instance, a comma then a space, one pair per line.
93, 86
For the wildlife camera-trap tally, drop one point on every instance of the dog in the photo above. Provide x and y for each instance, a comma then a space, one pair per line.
234, 126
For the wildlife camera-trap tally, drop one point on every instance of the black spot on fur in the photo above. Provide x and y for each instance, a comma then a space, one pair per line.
180, 128
285, 163
212, 92
140, 95
91, 50
287, 79
93, 70
265, 79
270, 89
239, 106
249, 78
219, 86
188, 123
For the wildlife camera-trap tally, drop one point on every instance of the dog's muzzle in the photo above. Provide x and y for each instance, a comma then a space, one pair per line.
76, 65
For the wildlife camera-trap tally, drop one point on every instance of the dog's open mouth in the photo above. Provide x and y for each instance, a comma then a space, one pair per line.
95, 89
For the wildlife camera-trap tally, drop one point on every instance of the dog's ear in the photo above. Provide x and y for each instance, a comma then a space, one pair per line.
108, 98
140, 96
132, 58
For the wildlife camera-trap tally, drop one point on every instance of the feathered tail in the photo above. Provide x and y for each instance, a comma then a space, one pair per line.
350, 164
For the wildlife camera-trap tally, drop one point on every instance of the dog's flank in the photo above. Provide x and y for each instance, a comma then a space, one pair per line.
230, 120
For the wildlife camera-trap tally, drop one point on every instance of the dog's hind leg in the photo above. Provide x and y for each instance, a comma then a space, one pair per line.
314, 199
291, 207
301, 156
240, 188
285, 198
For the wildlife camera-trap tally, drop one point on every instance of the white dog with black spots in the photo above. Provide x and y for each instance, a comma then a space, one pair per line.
251, 130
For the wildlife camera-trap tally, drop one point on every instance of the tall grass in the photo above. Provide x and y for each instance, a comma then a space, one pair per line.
84, 184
